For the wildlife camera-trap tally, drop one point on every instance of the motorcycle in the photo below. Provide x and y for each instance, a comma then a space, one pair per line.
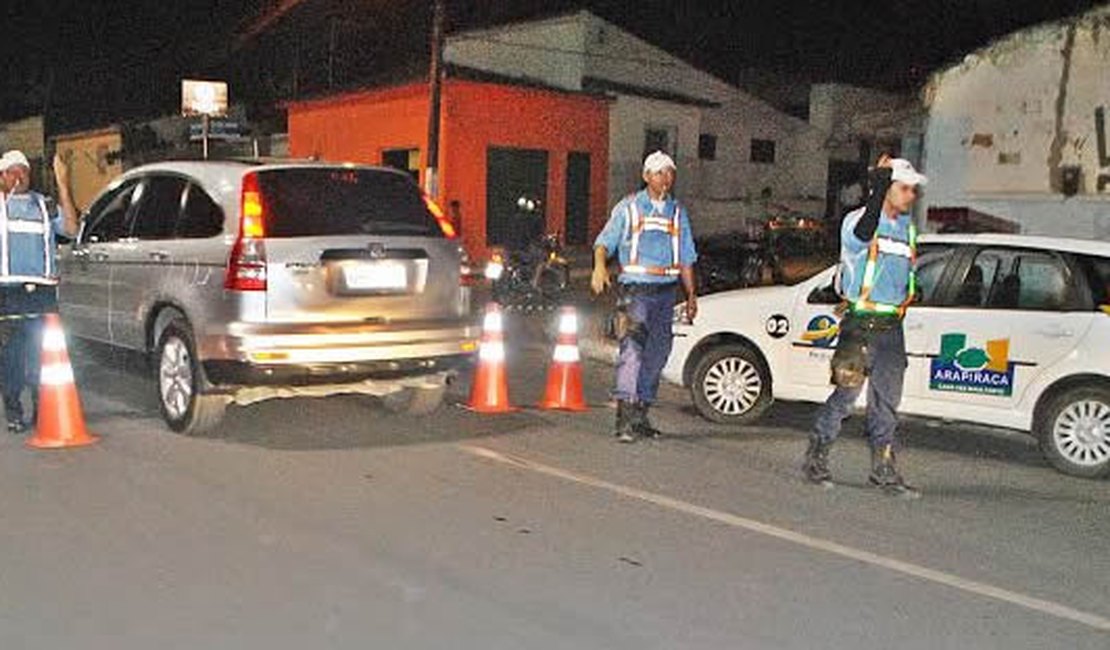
538, 276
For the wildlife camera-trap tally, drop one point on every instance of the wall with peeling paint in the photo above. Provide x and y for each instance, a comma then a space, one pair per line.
1008, 124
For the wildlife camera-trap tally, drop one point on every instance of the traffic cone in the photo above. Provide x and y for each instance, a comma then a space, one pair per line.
60, 420
489, 392
564, 377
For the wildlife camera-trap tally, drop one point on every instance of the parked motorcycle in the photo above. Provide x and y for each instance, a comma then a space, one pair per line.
538, 276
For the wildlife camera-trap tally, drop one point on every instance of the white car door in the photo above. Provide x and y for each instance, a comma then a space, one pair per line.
814, 326
1010, 317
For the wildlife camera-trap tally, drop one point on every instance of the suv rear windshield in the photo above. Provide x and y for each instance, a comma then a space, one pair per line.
314, 202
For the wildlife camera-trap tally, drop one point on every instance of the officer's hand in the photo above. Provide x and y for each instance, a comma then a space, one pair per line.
600, 280
691, 309
884, 160
61, 170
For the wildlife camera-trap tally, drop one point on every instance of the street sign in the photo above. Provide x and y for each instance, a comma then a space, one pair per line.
207, 98
217, 130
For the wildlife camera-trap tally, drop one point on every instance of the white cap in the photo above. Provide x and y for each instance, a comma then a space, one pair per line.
657, 162
12, 158
902, 170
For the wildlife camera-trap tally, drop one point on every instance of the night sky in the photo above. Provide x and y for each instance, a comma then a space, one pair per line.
90, 63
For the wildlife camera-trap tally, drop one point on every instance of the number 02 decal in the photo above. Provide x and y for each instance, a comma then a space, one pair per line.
778, 326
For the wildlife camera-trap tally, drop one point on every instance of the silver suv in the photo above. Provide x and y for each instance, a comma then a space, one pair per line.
251, 281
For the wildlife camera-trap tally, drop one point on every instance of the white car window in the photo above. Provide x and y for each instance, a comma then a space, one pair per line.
1097, 270
1003, 278
932, 260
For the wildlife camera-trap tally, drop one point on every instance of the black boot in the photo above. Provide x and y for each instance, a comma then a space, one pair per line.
885, 474
13, 412
626, 418
642, 425
816, 466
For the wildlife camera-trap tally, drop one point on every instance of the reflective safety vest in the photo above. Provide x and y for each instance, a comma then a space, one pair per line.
892, 247
40, 235
637, 224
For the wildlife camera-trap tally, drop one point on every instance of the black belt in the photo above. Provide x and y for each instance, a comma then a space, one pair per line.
647, 288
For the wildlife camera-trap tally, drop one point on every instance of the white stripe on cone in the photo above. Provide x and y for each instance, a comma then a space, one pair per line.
56, 374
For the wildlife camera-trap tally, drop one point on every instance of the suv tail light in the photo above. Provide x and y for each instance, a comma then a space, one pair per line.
246, 265
444, 223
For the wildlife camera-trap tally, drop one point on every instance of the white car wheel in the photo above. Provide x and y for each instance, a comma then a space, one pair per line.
1075, 433
731, 384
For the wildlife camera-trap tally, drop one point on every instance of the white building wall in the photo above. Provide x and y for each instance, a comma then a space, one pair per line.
564, 51
551, 51
628, 118
1005, 122
616, 55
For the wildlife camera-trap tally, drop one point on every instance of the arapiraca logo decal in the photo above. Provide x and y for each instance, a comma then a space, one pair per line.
822, 332
963, 369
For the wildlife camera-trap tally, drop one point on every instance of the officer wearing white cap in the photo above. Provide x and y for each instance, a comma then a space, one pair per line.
649, 232
878, 249
29, 223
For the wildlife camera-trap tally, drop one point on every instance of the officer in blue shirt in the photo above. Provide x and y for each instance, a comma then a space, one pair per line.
29, 223
649, 232
878, 252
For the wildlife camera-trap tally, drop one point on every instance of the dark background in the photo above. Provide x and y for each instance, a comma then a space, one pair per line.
90, 63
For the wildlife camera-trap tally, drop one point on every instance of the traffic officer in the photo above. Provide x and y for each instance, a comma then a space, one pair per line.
878, 250
29, 223
649, 232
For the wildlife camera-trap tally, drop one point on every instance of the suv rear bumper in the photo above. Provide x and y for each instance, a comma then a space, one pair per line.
240, 373
311, 353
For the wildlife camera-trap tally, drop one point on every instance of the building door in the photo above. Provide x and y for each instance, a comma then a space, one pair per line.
516, 196
578, 198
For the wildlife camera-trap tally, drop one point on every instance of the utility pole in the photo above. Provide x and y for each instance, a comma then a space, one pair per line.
431, 175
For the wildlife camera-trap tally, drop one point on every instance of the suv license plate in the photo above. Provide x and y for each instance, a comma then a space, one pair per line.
376, 277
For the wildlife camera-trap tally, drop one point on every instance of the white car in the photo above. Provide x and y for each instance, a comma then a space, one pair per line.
1009, 330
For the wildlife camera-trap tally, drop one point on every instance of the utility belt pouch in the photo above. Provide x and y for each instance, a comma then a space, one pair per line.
849, 361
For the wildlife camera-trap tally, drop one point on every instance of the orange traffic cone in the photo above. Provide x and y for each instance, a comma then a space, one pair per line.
490, 390
60, 420
564, 377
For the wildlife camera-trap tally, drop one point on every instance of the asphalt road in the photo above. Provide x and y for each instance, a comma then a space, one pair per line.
328, 523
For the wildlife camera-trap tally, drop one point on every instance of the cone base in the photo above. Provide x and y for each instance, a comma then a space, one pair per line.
491, 410
61, 443
558, 406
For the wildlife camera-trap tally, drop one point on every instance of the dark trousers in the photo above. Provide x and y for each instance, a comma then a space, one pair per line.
647, 341
22, 311
886, 369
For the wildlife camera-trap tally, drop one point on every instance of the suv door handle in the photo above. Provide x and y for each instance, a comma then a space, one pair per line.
99, 256
159, 256
1055, 333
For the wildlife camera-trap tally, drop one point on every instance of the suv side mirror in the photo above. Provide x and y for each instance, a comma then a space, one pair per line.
825, 295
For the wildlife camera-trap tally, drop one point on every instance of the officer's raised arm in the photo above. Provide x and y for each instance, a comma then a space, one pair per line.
70, 214
880, 183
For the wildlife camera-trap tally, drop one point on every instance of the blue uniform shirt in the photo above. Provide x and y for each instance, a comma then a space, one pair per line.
25, 250
655, 246
892, 272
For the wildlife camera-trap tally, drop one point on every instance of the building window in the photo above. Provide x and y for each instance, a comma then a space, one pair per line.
763, 151
707, 146
404, 159
658, 138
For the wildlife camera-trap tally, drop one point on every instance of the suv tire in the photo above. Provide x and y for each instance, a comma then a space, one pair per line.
1074, 431
731, 384
181, 400
415, 401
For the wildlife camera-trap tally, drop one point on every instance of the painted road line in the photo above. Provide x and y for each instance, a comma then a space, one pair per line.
907, 568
